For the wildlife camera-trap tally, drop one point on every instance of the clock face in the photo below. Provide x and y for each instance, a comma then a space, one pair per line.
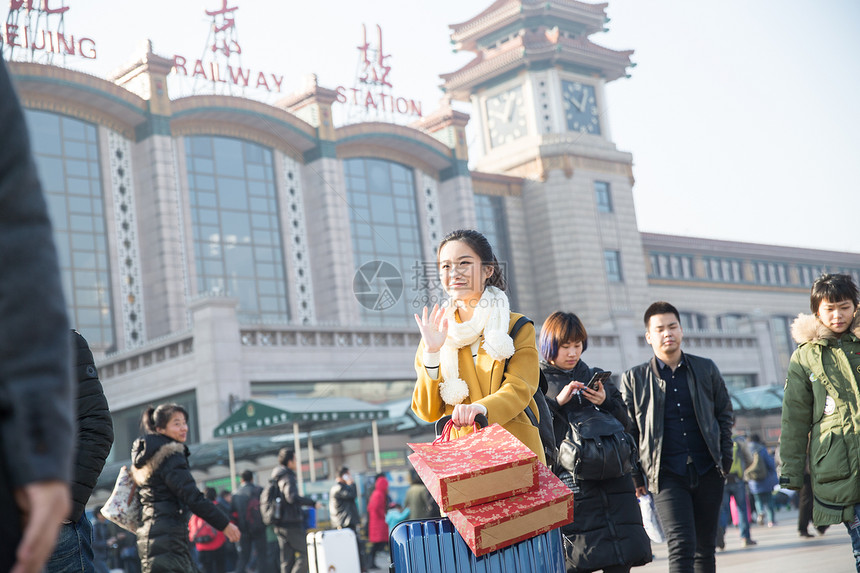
580, 107
506, 117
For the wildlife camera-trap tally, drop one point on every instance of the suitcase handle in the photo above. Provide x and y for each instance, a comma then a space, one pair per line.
480, 420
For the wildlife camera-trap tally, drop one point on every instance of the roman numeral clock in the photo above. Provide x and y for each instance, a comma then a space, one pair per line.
580, 107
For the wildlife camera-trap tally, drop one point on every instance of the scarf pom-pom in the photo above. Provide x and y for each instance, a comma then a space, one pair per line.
498, 344
454, 391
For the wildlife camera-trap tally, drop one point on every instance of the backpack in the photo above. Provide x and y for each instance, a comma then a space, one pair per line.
205, 533
740, 461
758, 469
544, 425
596, 447
253, 518
272, 503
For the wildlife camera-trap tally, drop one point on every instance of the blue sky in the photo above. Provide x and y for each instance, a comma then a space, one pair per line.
741, 115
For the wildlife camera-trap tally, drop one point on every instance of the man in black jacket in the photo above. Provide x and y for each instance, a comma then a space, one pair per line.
36, 409
94, 439
344, 510
245, 503
682, 421
291, 530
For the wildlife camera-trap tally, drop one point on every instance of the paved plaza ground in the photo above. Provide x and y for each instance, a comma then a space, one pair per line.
779, 550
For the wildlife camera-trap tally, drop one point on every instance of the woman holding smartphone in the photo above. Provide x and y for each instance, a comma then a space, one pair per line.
606, 532
460, 364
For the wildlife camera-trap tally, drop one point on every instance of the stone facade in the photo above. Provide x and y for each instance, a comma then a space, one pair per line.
559, 238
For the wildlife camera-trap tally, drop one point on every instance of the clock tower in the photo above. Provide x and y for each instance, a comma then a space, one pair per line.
537, 89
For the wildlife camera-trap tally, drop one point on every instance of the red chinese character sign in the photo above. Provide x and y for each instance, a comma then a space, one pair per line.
224, 30
374, 71
35, 31
372, 96
220, 69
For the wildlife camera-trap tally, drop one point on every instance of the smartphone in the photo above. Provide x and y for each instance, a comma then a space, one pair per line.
598, 377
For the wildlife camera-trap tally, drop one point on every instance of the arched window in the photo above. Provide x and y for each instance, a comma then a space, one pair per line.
238, 248
67, 158
393, 277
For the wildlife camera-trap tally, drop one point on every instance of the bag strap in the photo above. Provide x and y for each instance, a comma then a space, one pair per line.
542, 384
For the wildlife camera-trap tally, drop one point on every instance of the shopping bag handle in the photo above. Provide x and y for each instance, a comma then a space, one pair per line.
445, 425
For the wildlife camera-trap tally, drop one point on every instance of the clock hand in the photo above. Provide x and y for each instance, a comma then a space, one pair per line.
509, 108
580, 105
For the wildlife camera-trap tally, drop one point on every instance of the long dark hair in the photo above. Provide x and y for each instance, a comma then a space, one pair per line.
155, 419
478, 243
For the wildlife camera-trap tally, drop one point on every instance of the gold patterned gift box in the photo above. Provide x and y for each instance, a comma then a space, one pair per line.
484, 466
501, 523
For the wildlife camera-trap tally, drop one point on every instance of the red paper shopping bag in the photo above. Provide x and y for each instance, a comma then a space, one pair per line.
486, 465
501, 523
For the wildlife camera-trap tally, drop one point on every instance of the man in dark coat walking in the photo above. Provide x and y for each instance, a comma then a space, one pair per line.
36, 429
245, 504
291, 529
94, 439
344, 509
682, 421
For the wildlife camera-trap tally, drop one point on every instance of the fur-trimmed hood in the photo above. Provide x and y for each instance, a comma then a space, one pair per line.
149, 452
807, 328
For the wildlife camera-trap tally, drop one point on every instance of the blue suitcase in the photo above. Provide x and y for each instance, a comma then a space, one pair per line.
433, 545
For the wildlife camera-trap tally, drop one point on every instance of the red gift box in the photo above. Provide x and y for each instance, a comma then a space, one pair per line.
501, 523
484, 466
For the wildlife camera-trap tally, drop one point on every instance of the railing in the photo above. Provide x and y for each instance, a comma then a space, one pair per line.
154, 351
333, 337
182, 344
179, 345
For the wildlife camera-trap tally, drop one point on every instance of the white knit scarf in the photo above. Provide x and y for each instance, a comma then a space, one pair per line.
491, 317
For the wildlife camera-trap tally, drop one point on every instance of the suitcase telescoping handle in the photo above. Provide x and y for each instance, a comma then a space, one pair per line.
480, 420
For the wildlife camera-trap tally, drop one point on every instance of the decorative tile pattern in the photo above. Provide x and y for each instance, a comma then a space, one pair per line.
543, 106
180, 215
429, 191
128, 252
304, 311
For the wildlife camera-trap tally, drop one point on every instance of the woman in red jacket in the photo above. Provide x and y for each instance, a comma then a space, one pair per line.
210, 543
377, 529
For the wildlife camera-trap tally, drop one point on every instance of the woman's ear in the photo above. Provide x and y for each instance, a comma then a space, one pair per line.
489, 270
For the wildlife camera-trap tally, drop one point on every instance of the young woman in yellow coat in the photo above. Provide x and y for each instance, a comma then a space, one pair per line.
460, 362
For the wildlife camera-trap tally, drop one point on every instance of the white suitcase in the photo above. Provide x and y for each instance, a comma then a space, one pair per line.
333, 550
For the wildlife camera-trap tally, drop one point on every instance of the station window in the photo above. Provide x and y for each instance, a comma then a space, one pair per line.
603, 197
490, 218
67, 159
383, 218
612, 261
238, 248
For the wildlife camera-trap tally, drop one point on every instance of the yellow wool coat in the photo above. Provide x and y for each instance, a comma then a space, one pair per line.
504, 396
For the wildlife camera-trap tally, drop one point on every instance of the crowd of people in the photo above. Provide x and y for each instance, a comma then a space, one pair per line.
675, 407
56, 426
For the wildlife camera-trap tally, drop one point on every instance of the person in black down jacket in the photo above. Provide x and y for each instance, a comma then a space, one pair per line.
245, 504
606, 532
343, 508
167, 492
93, 441
291, 529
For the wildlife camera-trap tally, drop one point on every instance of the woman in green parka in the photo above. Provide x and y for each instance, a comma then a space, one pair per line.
821, 406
